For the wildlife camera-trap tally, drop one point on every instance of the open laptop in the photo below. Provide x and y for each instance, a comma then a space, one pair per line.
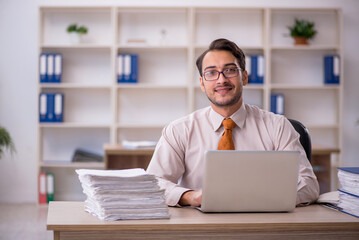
250, 181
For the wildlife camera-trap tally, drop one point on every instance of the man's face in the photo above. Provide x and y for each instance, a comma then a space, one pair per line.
223, 92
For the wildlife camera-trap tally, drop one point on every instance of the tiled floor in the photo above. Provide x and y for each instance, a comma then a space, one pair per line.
23, 221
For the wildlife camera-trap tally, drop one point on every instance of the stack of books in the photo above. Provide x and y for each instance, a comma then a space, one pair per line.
349, 193
122, 194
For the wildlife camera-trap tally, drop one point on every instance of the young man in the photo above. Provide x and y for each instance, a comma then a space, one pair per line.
178, 159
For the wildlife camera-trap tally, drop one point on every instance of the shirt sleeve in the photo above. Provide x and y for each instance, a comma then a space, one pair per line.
167, 164
308, 187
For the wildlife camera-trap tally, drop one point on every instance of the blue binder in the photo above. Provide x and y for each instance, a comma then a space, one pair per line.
120, 75
57, 68
257, 69
248, 66
134, 69
331, 69
51, 107
58, 107
50, 67
43, 107
277, 103
127, 69
43, 67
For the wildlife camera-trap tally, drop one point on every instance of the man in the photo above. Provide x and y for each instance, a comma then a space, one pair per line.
179, 155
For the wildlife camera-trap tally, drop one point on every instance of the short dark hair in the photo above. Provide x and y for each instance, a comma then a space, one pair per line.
226, 45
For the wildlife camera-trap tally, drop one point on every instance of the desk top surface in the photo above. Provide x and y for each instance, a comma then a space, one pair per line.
71, 216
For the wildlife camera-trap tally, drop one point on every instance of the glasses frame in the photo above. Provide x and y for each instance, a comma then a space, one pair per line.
219, 74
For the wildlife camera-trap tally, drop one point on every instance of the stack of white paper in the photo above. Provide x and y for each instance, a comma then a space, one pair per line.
122, 194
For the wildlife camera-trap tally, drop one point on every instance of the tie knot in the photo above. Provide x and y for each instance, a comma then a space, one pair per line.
228, 124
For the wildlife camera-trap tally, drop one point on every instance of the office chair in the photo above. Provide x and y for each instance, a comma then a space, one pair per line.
304, 137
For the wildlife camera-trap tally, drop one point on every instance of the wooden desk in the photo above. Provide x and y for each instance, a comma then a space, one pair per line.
321, 163
118, 157
68, 220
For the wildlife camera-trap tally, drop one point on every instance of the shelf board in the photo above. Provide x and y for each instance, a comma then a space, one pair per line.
148, 86
152, 47
139, 126
305, 47
73, 125
66, 164
307, 87
76, 46
259, 48
320, 126
74, 85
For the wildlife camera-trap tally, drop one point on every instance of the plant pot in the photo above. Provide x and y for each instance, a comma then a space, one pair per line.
300, 41
75, 38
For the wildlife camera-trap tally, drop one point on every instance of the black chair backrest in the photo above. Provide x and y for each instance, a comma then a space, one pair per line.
304, 137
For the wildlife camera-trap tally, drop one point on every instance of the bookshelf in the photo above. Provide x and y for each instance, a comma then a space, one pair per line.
98, 110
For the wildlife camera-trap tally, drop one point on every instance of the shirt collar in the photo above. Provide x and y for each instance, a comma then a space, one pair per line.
238, 117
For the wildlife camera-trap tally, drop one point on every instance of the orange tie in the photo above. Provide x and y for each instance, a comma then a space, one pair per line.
226, 142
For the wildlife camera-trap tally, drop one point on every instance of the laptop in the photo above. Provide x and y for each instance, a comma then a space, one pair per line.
250, 181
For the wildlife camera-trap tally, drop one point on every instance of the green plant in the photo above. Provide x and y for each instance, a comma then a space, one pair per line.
5, 141
77, 29
302, 28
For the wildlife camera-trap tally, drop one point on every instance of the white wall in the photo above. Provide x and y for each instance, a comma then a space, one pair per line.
18, 81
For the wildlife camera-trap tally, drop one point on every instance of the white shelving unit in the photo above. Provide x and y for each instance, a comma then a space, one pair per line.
99, 110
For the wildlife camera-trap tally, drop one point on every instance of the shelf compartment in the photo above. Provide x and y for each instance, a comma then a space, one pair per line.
85, 66
59, 144
303, 68
148, 24
151, 106
140, 133
325, 23
211, 24
306, 107
55, 22
160, 67
91, 107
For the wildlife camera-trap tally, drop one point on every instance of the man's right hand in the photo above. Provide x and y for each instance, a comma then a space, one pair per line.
192, 198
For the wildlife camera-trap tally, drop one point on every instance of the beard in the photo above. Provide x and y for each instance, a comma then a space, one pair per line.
236, 97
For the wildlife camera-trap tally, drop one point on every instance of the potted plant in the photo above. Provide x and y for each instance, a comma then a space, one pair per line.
76, 32
302, 31
5, 141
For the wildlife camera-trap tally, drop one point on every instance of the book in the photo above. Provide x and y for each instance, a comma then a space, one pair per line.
331, 69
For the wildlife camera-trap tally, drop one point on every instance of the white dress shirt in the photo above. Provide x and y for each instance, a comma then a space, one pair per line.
179, 155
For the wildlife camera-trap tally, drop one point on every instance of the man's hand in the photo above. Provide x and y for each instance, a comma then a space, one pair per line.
192, 198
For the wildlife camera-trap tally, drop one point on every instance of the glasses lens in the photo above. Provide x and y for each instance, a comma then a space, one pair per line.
211, 75
230, 72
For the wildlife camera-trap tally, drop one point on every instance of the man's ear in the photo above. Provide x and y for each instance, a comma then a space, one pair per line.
245, 77
202, 84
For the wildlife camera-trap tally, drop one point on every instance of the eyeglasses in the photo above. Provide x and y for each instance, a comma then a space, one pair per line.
213, 75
